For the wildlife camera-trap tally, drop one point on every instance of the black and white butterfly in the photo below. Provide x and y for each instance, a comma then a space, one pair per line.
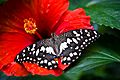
67, 46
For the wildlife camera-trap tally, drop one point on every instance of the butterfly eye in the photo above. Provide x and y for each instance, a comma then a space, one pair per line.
54, 57
62, 54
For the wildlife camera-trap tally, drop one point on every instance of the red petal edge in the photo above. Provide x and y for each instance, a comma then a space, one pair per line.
49, 11
35, 69
11, 45
72, 20
15, 69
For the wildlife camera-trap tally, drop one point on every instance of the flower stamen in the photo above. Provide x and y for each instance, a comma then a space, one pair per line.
30, 26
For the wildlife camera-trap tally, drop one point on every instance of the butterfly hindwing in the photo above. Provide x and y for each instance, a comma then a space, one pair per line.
40, 53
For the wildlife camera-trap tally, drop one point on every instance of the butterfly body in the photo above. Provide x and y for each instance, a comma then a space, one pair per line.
67, 47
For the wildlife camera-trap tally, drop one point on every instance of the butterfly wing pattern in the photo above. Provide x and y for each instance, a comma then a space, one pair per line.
40, 53
75, 42
67, 46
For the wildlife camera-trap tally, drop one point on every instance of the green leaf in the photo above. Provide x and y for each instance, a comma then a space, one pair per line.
35, 77
83, 3
105, 12
100, 57
78, 3
108, 30
2, 1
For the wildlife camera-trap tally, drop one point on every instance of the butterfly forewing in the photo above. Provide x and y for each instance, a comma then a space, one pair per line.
75, 41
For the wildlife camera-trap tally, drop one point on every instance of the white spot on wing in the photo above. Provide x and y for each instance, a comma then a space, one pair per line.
75, 53
71, 54
88, 35
90, 39
33, 48
37, 52
23, 54
41, 62
50, 67
95, 32
75, 40
39, 58
33, 52
30, 58
50, 50
28, 48
93, 38
86, 31
76, 33
81, 37
53, 62
77, 48
69, 40
78, 39
81, 31
83, 42
42, 48
64, 59
27, 57
68, 59
86, 40
63, 46
49, 63
23, 58
55, 66
17, 56
24, 50
81, 46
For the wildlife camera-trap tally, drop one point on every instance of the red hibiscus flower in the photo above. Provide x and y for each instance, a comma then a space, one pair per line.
23, 22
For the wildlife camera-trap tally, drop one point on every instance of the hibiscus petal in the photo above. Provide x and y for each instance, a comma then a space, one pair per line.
15, 69
14, 12
61, 66
46, 13
50, 12
13, 37
35, 69
71, 20
11, 43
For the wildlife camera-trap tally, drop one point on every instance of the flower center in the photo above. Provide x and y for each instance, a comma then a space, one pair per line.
30, 26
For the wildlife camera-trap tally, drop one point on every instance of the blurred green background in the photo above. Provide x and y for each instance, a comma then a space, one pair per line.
101, 60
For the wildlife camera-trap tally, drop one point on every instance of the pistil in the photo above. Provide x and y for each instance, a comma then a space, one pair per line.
30, 27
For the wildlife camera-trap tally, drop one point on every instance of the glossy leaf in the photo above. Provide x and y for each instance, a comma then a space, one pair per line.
105, 13
98, 58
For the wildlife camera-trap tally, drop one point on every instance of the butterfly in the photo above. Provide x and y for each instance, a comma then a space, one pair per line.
67, 46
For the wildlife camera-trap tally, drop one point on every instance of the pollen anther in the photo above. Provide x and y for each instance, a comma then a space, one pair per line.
30, 26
